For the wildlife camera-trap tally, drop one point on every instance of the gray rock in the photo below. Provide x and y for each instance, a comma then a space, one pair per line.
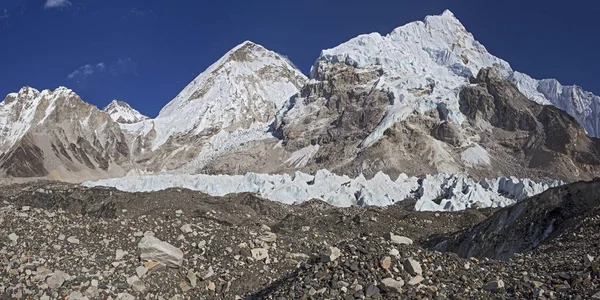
57, 279
392, 285
396, 239
73, 240
588, 260
187, 228
412, 267
416, 280
371, 290
494, 286
119, 254
13, 237
208, 274
260, 253
153, 249
191, 276
125, 296
330, 254
141, 271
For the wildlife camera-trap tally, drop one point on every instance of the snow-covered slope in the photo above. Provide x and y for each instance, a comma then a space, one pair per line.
434, 193
121, 112
244, 89
426, 63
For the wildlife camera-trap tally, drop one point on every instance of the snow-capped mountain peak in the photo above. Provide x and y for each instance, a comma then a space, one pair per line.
426, 63
122, 112
245, 87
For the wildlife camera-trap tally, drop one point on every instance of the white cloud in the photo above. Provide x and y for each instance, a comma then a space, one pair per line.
57, 3
123, 65
86, 70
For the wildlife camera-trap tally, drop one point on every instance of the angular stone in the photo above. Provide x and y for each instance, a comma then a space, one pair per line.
416, 280
392, 285
494, 286
396, 239
153, 249
187, 228
57, 279
73, 240
412, 267
330, 254
386, 263
119, 254
13, 237
141, 271
260, 253
588, 260
191, 276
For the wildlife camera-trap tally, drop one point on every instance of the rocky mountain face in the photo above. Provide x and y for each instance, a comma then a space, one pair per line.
122, 113
425, 99
54, 134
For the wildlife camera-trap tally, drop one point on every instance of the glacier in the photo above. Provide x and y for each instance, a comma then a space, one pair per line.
439, 192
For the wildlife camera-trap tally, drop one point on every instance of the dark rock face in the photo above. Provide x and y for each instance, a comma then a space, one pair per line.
522, 227
25, 160
447, 132
349, 108
544, 137
497, 101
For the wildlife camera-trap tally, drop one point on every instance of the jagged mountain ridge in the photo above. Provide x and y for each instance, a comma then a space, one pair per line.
387, 85
55, 135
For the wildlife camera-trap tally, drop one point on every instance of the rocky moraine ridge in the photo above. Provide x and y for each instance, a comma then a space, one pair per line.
61, 241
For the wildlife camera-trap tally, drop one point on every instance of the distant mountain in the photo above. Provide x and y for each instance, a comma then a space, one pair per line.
55, 135
121, 112
426, 98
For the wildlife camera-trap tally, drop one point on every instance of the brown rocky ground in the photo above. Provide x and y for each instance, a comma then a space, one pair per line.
69, 242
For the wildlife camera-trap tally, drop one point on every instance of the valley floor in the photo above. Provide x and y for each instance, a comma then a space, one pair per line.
61, 241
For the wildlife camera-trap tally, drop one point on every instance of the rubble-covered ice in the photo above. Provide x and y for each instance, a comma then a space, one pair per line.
440, 192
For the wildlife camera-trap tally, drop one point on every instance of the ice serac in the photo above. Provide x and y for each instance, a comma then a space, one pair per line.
242, 90
440, 192
55, 135
122, 113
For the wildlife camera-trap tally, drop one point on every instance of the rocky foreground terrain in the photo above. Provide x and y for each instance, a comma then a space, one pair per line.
60, 241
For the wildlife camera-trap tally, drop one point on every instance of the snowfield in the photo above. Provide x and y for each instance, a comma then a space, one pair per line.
440, 192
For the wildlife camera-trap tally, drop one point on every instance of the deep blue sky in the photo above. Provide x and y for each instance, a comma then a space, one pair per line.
145, 51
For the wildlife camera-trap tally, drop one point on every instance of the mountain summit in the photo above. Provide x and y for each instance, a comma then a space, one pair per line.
121, 112
244, 88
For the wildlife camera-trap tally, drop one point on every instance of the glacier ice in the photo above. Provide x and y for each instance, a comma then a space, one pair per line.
440, 192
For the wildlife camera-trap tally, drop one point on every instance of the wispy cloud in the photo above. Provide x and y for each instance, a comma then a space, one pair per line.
57, 3
4, 14
121, 66
142, 14
86, 71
